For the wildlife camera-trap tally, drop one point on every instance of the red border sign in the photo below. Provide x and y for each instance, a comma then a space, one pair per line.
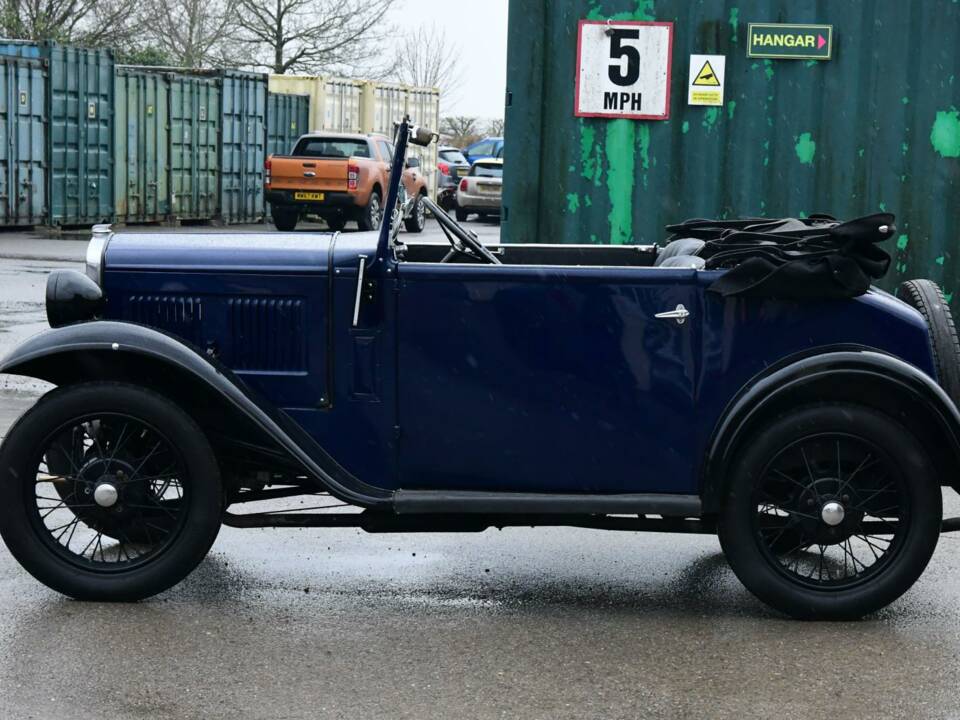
580, 27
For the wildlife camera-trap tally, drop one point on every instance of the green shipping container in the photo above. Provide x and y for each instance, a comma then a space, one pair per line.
288, 117
194, 146
141, 147
877, 127
22, 129
79, 147
243, 117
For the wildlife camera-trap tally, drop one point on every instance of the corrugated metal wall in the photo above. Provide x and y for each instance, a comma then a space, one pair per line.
876, 128
194, 146
243, 116
23, 152
141, 147
288, 117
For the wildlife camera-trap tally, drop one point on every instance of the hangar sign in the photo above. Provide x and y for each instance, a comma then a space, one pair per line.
790, 42
623, 69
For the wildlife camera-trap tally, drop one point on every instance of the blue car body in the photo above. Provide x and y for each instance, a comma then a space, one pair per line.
564, 371
491, 147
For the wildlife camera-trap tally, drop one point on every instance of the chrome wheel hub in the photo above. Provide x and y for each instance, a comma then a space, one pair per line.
832, 513
106, 495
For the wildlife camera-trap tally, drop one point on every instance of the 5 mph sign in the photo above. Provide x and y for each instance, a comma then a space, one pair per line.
623, 70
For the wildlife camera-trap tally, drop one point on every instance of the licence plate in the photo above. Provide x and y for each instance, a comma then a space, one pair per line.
308, 196
488, 189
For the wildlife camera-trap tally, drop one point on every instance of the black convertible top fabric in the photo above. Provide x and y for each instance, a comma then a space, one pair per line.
816, 257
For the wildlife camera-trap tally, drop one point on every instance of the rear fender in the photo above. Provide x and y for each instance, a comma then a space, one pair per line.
125, 352
860, 376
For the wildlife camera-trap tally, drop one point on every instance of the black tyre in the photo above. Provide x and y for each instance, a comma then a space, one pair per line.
858, 494
140, 505
336, 222
927, 298
418, 217
285, 219
462, 214
372, 214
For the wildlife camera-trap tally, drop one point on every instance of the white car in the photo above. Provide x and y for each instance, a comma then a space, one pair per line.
481, 191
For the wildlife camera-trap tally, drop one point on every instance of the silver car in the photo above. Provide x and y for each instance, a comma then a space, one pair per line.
481, 191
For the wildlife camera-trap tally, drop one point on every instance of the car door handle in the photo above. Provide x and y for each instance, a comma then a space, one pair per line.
680, 315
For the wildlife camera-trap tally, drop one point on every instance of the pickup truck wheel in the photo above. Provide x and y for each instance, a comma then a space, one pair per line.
138, 506
927, 298
285, 220
373, 213
858, 495
418, 217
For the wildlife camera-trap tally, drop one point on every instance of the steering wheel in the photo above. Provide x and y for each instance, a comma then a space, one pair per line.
462, 241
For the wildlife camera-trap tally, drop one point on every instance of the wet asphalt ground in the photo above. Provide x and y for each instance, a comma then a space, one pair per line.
523, 623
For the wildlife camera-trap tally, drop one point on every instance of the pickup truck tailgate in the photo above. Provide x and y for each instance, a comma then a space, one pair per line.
309, 174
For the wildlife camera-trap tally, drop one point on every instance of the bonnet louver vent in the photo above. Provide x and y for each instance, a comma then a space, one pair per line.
175, 314
267, 334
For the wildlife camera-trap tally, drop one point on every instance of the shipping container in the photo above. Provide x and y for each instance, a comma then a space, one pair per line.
423, 107
874, 128
342, 101
194, 119
288, 117
243, 115
312, 86
79, 146
141, 146
389, 106
23, 129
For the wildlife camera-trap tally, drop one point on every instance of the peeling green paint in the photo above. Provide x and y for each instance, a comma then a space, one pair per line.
573, 202
948, 296
860, 152
902, 242
731, 108
734, 23
883, 207
621, 151
590, 158
645, 10
806, 148
644, 145
905, 100
588, 201
940, 260
945, 136
710, 118
768, 69
904, 148
685, 128
811, 63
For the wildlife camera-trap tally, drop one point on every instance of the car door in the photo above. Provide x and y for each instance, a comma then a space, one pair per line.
546, 379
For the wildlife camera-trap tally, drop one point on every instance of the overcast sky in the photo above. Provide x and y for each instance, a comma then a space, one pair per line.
480, 28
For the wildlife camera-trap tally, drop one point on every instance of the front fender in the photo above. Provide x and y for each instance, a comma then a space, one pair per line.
120, 351
860, 376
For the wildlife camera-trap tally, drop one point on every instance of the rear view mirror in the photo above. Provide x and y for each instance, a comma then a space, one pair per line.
423, 137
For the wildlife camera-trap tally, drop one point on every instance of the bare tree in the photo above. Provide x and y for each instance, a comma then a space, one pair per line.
426, 59
495, 127
459, 130
193, 33
315, 35
95, 23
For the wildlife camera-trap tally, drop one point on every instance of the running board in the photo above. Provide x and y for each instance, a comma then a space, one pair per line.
419, 502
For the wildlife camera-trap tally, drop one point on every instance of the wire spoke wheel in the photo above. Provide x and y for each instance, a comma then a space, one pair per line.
108, 492
831, 510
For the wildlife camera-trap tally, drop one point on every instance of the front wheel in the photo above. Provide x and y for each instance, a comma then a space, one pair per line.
108, 492
372, 214
833, 512
418, 217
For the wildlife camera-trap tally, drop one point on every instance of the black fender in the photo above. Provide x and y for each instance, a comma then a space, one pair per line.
125, 352
863, 376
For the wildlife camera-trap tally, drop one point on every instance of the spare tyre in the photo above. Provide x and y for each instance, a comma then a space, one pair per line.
927, 298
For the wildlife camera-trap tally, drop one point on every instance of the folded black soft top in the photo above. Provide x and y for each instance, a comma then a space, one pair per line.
793, 258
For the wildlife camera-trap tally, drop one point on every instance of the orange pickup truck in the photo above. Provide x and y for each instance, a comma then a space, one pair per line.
340, 177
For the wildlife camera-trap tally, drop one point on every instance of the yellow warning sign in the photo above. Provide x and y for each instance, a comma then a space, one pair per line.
706, 80
707, 77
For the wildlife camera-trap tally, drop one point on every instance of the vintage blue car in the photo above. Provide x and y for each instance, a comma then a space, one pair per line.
420, 387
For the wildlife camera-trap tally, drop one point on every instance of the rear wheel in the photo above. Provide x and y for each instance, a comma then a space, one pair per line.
372, 214
462, 214
336, 222
418, 217
927, 298
108, 492
285, 219
856, 495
